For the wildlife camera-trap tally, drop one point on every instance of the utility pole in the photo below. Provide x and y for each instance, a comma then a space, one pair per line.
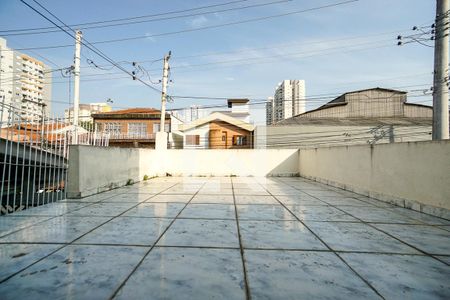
441, 56
161, 136
76, 91
165, 79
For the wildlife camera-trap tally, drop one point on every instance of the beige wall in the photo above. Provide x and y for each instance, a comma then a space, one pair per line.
96, 169
415, 175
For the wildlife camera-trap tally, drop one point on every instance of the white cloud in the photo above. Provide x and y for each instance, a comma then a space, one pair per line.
198, 21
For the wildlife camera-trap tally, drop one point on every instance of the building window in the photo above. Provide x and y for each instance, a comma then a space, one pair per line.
239, 140
156, 127
192, 140
112, 128
137, 129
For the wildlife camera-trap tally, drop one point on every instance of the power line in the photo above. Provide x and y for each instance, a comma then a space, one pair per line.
152, 20
199, 28
88, 45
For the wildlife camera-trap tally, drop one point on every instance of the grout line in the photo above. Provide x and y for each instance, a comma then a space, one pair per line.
388, 234
67, 244
114, 294
331, 249
244, 268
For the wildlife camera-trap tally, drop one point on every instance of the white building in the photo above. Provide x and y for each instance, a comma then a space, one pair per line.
289, 100
85, 111
25, 83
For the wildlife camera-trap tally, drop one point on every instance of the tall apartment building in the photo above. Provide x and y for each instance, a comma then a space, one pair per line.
25, 83
269, 111
85, 111
289, 100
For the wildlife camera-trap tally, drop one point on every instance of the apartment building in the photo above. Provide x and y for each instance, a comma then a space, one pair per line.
85, 111
25, 83
288, 101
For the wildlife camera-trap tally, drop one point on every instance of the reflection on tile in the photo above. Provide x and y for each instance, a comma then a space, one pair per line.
154, 209
15, 257
74, 272
13, 223
427, 238
51, 209
127, 231
177, 273
264, 212
202, 233
251, 199
403, 276
62, 229
170, 198
356, 237
320, 213
130, 197
278, 235
304, 275
214, 211
222, 199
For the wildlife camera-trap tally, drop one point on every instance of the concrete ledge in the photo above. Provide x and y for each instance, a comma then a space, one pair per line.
413, 175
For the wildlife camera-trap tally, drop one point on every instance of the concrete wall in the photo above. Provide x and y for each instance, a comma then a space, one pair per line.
96, 169
414, 175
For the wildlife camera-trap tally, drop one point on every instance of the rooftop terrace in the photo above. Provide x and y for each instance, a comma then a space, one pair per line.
224, 238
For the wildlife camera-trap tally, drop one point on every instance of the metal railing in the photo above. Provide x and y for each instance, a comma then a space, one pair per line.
132, 136
34, 151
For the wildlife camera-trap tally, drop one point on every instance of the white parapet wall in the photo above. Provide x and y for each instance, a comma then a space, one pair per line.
96, 169
414, 174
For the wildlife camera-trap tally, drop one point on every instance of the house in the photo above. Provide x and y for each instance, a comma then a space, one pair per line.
369, 116
135, 127
218, 131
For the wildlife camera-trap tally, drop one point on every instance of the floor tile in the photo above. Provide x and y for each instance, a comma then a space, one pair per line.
263, 212
15, 257
403, 276
302, 275
213, 211
377, 214
13, 223
246, 199
74, 272
218, 199
130, 197
302, 200
127, 231
344, 201
320, 213
357, 237
170, 198
278, 235
424, 218
201, 233
51, 209
61, 229
155, 209
180, 273
427, 238
103, 209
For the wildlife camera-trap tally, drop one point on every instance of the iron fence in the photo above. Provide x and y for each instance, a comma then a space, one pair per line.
34, 152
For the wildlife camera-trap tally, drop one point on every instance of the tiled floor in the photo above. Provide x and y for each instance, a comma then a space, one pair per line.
224, 238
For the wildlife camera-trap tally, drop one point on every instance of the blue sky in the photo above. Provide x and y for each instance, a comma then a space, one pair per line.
335, 49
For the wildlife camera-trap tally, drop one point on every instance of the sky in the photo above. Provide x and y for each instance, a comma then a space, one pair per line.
335, 49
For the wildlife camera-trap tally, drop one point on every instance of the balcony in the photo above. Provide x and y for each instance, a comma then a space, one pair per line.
224, 238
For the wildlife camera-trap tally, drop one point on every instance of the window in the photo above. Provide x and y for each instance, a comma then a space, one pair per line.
137, 129
239, 140
112, 128
192, 140
156, 127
